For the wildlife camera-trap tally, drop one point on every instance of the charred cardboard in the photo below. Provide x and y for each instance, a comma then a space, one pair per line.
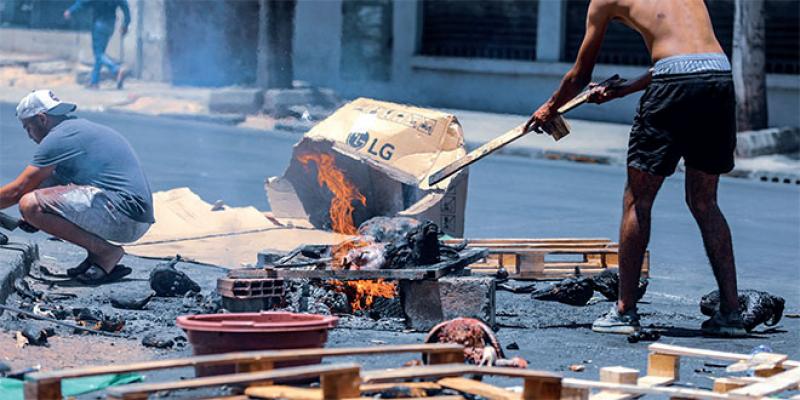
387, 151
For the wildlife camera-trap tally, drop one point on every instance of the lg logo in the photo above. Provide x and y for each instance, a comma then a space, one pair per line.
358, 140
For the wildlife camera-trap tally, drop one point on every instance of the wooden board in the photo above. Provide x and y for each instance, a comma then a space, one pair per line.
583, 96
477, 388
135, 391
47, 384
434, 271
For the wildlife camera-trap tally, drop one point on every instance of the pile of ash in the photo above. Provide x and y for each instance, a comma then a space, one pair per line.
355, 310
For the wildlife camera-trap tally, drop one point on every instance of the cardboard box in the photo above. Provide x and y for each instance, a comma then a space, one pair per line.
387, 151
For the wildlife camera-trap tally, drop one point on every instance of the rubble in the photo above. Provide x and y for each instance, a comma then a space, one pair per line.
575, 291
757, 307
167, 281
131, 301
158, 341
607, 284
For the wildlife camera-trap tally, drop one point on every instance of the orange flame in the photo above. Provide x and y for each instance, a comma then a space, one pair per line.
344, 193
362, 293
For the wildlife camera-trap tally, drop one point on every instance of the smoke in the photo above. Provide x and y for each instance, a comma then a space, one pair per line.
212, 42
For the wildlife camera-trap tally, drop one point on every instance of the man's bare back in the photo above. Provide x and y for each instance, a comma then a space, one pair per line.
668, 27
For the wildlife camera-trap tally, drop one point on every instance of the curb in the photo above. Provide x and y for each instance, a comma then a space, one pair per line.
19, 266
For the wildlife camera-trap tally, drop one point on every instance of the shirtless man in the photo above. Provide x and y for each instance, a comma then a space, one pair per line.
687, 110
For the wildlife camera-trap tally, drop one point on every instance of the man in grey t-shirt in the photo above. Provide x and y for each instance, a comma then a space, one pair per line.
84, 185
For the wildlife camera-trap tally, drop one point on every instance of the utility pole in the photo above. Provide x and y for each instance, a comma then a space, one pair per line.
749, 65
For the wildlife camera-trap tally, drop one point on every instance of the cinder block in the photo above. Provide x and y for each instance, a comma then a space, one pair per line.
421, 304
429, 302
468, 296
237, 101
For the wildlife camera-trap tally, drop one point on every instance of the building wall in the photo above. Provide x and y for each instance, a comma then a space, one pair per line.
143, 48
516, 87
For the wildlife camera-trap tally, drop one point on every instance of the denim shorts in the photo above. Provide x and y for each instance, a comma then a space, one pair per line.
689, 116
90, 208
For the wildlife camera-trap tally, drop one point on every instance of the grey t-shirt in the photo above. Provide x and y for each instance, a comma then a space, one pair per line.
86, 153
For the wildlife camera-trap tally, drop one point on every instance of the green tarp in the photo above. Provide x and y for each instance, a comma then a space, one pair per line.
12, 389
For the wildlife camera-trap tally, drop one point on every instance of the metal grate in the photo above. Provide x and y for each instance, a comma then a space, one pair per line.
500, 29
623, 45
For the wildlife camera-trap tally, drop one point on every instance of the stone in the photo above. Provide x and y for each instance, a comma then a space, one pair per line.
236, 101
158, 341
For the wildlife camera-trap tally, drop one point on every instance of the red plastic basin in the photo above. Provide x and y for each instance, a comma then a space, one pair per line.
225, 333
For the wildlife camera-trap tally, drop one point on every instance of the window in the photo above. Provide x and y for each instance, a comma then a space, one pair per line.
623, 45
499, 29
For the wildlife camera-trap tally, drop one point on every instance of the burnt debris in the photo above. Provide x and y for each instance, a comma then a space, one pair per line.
757, 307
575, 291
607, 284
131, 301
167, 281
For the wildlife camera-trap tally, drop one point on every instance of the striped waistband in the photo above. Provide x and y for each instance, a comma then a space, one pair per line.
691, 63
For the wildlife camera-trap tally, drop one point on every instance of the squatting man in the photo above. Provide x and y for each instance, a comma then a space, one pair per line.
686, 111
84, 185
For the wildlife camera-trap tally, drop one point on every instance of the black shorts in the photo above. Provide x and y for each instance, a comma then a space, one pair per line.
685, 115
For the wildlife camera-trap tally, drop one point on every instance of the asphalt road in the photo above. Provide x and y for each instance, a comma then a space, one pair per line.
509, 197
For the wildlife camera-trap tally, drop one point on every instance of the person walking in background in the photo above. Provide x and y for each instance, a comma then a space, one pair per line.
104, 18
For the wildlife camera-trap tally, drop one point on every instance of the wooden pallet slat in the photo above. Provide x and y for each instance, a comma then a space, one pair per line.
538, 259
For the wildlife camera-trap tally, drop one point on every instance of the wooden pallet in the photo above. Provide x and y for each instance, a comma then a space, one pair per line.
257, 366
774, 374
548, 259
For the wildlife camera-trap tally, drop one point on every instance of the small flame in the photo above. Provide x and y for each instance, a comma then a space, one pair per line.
362, 293
344, 193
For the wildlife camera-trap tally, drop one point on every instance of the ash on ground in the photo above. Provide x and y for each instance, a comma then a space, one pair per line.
47, 293
323, 297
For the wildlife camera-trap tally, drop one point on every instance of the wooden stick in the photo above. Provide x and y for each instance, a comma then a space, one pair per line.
583, 97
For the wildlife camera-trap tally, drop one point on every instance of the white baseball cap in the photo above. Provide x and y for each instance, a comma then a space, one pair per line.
42, 101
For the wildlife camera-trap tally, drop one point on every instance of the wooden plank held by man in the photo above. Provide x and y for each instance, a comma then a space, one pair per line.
557, 128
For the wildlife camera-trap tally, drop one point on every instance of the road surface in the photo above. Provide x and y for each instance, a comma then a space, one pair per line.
510, 197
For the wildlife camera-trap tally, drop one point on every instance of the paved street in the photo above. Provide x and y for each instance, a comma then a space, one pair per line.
509, 197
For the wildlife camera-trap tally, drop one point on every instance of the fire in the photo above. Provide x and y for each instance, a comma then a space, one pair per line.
362, 293
344, 193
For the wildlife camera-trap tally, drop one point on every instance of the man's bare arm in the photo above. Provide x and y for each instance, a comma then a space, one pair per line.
27, 181
597, 20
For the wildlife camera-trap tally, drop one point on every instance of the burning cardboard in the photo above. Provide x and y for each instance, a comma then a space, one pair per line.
373, 158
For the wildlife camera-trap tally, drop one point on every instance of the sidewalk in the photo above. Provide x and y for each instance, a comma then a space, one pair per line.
591, 142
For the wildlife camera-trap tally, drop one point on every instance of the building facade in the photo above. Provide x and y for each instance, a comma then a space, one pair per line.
492, 55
